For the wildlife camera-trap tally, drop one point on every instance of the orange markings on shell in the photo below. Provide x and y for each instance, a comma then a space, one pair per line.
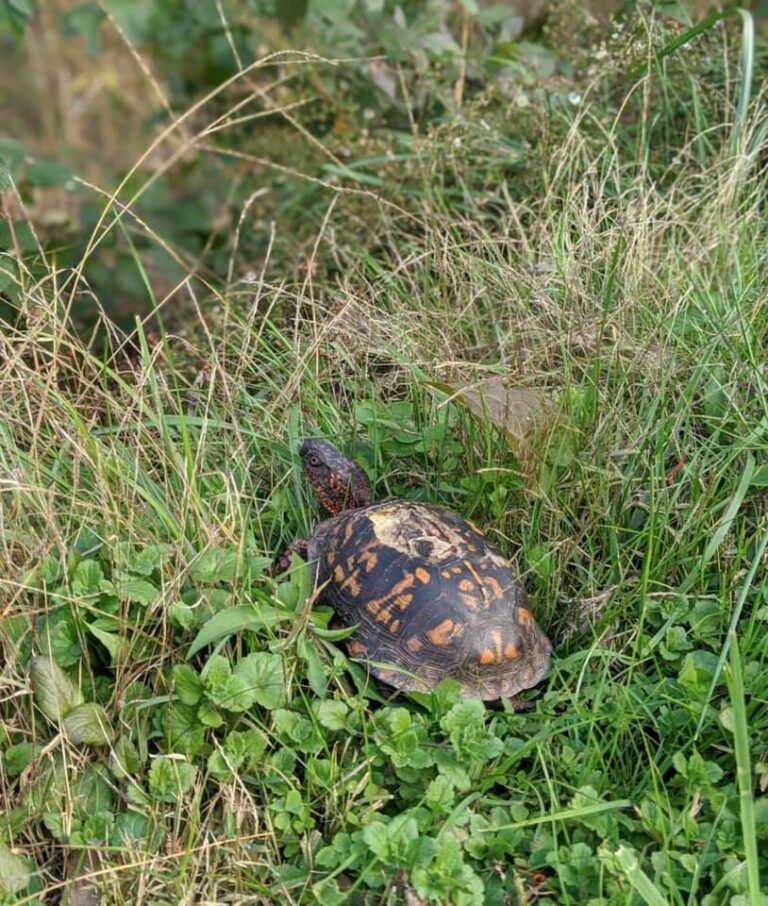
496, 590
355, 648
487, 657
473, 572
414, 644
442, 634
351, 584
510, 652
395, 593
369, 560
422, 574
394, 626
524, 617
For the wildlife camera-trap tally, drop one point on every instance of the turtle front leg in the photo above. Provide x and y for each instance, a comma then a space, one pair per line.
299, 546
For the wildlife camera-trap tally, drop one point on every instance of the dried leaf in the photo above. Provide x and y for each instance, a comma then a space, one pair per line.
523, 413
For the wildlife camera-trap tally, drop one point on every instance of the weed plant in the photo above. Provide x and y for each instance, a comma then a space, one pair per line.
176, 726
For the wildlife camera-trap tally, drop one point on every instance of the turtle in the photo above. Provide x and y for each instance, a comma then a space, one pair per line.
431, 598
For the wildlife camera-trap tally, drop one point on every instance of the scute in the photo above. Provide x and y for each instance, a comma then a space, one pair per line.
431, 597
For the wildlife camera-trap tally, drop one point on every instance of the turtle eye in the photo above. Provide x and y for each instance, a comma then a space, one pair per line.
314, 461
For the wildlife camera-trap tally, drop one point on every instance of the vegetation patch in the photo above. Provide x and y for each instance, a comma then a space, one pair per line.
515, 275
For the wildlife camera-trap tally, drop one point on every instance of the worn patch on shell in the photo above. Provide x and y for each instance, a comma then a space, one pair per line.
410, 529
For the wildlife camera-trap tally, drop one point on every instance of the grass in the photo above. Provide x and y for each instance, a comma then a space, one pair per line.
196, 729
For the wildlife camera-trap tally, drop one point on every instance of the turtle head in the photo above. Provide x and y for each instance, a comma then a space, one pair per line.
340, 483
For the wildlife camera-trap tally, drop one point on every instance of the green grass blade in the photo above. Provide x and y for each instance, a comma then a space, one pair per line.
567, 814
757, 560
735, 681
688, 35
725, 524
747, 68
639, 880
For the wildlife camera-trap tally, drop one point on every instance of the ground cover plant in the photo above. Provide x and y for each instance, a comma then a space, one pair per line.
535, 292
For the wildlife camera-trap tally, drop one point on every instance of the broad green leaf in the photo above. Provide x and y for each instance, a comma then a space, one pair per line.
14, 874
47, 173
697, 672
299, 731
236, 619
94, 791
465, 726
377, 839
85, 20
55, 694
440, 794
136, 590
170, 778
88, 724
226, 565
208, 716
316, 675
216, 674
332, 714
12, 153
59, 639
124, 758
760, 477
245, 747
147, 560
186, 729
86, 579
130, 827
187, 684
264, 676
116, 645
24, 7
17, 757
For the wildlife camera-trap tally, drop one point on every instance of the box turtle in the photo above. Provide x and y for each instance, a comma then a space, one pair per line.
430, 596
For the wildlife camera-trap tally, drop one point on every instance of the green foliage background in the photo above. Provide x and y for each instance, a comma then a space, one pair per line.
338, 217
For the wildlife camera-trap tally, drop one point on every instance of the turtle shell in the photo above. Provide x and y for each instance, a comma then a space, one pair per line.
431, 598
